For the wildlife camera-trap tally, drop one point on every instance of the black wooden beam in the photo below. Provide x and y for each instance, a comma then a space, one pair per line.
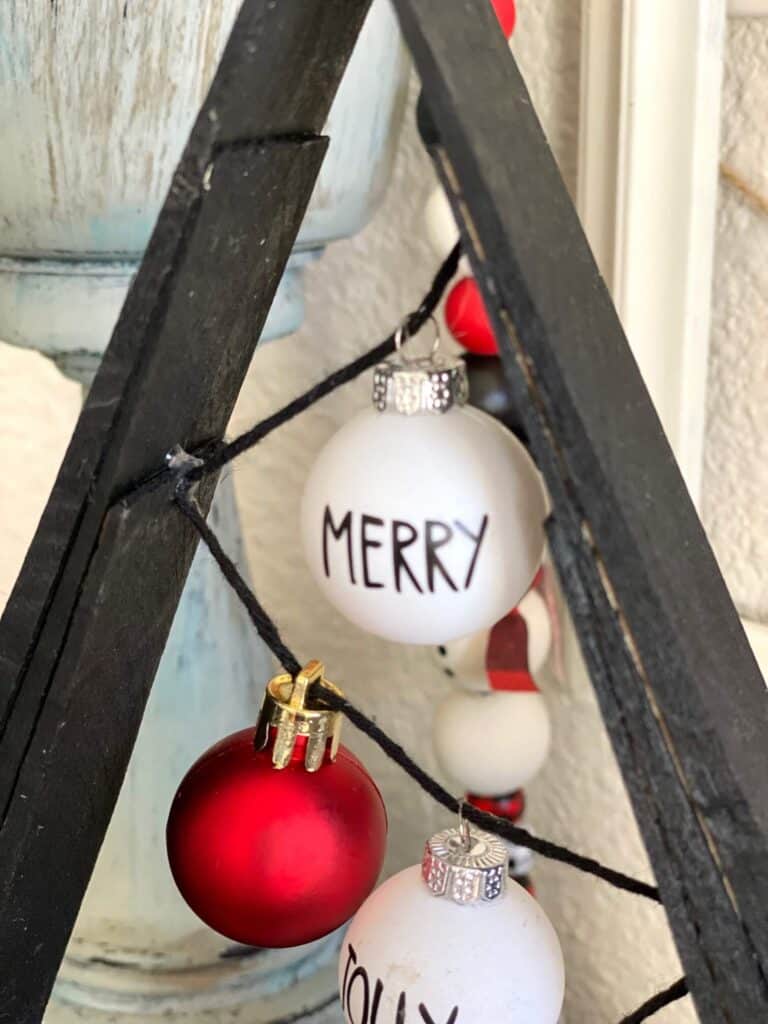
86, 624
681, 695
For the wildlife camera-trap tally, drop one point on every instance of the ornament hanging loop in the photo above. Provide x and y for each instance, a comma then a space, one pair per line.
291, 709
403, 333
464, 832
434, 383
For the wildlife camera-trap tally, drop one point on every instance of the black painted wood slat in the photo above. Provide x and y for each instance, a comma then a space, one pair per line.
85, 626
84, 629
682, 697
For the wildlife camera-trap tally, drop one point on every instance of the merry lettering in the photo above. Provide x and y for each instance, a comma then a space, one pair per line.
356, 982
412, 554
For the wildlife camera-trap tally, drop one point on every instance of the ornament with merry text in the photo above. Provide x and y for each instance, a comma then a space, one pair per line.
422, 518
451, 941
276, 836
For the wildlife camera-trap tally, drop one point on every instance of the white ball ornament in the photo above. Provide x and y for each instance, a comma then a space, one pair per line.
491, 743
442, 230
422, 519
452, 942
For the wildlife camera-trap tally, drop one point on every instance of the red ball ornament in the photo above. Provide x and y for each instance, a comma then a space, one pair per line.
277, 835
509, 806
506, 12
467, 319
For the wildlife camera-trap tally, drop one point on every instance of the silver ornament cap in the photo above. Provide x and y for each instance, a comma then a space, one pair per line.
434, 383
465, 865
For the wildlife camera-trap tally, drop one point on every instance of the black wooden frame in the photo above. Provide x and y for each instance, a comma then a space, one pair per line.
86, 624
680, 692
681, 695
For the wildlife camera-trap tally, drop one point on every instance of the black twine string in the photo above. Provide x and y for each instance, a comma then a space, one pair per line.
265, 627
411, 324
191, 472
658, 1002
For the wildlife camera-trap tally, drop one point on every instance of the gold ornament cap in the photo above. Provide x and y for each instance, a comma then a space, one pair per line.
289, 706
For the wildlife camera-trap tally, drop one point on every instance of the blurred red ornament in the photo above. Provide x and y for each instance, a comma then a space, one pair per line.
506, 12
467, 319
276, 857
506, 656
509, 806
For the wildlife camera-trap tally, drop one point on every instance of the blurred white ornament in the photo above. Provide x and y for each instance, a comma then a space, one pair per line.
491, 743
442, 230
441, 227
422, 519
452, 942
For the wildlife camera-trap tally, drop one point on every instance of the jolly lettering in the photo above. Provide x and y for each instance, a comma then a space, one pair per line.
356, 985
413, 553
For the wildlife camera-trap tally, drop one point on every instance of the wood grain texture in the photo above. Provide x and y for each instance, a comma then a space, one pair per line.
682, 697
86, 623
75, 169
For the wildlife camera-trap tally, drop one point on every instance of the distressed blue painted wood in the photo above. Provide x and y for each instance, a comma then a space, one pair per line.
91, 134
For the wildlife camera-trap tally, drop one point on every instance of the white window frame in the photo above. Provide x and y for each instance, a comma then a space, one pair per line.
651, 80
651, 83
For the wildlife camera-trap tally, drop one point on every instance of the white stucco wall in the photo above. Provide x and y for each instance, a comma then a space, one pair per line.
617, 947
736, 454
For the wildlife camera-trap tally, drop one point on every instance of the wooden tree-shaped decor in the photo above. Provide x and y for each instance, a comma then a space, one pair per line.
82, 634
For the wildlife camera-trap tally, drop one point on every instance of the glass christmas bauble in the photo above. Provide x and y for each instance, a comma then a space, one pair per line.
452, 941
277, 846
422, 519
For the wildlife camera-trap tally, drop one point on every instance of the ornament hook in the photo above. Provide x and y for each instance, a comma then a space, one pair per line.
465, 875
464, 832
403, 333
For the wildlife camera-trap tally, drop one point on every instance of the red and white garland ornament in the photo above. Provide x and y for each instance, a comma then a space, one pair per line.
497, 663
277, 834
493, 659
426, 946
492, 743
